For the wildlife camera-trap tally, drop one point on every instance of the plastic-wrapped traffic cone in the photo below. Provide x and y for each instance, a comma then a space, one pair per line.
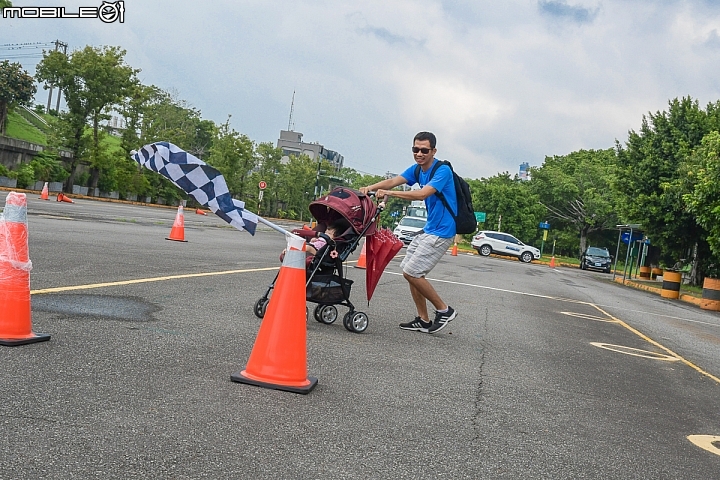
177, 232
200, 212
63, 198
362, 261
279, 357
454, 251
552, 262
15, 266
44, 195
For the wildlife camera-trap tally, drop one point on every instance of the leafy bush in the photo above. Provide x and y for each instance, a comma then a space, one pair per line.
48, 167
24, 174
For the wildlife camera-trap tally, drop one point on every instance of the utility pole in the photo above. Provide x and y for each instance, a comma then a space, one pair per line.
58, 44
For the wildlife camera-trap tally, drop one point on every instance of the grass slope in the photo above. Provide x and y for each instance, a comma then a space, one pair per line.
21, 129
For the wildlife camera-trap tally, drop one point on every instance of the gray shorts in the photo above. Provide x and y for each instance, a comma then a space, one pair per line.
423, 253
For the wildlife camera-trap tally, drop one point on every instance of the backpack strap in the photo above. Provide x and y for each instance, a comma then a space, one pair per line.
438, 193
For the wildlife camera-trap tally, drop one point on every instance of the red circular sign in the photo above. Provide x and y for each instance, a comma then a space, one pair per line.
262, 185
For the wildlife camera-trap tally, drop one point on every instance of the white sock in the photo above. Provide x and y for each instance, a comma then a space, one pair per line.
443, 311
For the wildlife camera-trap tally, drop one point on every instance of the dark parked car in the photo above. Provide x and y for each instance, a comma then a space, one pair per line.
596, 258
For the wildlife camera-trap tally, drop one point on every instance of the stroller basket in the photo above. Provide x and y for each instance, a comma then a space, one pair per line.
328, 289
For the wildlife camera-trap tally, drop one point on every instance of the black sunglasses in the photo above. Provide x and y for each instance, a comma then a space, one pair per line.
423, 150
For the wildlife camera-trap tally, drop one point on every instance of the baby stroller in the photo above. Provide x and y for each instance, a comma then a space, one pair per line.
327, 285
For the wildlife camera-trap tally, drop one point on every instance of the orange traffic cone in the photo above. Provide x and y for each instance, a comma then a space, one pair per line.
279, 357
62, 198
177, 232
454, 251
552, 262
15, 265
362, 261
44, 194
200, 212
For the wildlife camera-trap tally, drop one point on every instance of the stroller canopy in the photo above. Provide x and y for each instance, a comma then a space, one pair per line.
356, 207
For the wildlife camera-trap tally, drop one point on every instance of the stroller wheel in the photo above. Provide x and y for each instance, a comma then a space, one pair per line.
356, 322
260, 307
328, 314
316, 313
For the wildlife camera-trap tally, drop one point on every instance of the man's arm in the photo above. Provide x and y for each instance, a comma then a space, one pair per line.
420, 194
386, 184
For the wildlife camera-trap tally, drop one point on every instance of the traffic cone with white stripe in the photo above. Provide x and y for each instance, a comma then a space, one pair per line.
45, 195
279, 358
177, 233
15, 266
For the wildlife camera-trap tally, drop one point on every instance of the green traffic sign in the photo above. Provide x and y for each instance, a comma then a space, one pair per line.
480, 216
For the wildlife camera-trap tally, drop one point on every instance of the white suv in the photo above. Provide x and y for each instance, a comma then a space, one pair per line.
487, 242
409, 227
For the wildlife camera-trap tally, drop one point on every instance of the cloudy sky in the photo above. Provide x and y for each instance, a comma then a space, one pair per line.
500, 82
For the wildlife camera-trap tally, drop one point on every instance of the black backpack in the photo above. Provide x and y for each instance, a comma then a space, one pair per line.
465, 221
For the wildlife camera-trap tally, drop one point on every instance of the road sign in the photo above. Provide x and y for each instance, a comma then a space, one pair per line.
545, 225
262, 185
545, 236
479, 216
260, 195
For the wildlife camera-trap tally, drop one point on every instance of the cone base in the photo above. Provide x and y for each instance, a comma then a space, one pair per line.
240, 378
175, 239
14, 342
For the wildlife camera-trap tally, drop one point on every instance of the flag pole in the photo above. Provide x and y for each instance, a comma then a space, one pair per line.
279, 229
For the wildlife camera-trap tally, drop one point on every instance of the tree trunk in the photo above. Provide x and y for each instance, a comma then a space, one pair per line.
583, 239
3, 117
94, 177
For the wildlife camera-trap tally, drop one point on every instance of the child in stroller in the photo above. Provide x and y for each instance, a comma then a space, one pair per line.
344, 216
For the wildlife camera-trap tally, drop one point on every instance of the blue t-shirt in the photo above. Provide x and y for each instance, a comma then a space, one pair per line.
440, 222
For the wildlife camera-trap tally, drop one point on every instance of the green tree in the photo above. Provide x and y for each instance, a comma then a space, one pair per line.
577, 190
5, 4
93, 81
295, 185
512, 199
233, 154
699, 185
649, 162
269, 164
16, 88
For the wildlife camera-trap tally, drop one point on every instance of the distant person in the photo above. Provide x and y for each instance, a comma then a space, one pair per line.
426, 249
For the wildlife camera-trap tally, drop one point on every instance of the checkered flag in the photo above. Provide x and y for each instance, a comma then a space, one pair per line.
203, 182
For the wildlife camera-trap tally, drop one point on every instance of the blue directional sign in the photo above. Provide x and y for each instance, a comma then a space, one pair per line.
545, 225
636, 237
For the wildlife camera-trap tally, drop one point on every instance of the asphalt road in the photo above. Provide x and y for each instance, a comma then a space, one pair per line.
545, 373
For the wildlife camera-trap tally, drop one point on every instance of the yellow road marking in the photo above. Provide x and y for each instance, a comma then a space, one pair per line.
147, 280
636, 352
706, 442
653, 342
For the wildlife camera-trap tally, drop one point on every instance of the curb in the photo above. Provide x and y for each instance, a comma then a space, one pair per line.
684, 297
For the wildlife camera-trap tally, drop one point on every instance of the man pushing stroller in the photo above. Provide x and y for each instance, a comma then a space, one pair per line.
426, 249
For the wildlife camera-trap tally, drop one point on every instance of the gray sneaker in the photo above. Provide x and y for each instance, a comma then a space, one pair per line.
442, 319
417, 325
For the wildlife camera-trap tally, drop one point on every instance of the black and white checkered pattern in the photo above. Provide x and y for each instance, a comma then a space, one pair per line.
203, 182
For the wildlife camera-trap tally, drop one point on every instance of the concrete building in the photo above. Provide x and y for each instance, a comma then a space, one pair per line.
291, 144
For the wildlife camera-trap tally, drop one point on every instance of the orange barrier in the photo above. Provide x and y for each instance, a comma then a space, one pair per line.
711, 294
671, 284
362, 261
279, 356
177, 233
655, 272
62, 198
15, 265
44, 195
453, 252
645, 273
552, 262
